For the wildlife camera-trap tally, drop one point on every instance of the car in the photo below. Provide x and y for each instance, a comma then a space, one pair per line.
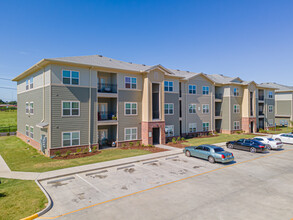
247, 144
285, 138
269, 142
209, 152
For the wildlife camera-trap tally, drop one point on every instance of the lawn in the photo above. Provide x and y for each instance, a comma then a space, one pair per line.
20, 156
20, 198
218, 139
280, 130
8, 119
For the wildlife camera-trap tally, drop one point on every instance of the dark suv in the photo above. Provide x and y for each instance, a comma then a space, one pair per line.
247, 144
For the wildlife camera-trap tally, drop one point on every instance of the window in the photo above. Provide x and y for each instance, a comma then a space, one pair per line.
31, 82
70, 138
70, 77
205, 90
168, 86
32, 132
169, 109
130, 134
192, 89
130, 108
271, 122
169, 130
205, 126
27, 85
27, 130
192, 127
271, 108
32, 108
236, 125
192, 108
130, 82
205, 109
237, 108
27, 108
70, 108
236, 91
270, 94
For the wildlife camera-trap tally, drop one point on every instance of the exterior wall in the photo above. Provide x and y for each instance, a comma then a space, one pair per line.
173, 119
246, 124
147, 128
121, 81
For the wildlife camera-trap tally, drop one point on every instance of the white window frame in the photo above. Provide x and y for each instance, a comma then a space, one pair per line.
31, 82
130, 108
70, 138
31, 133
236, 93
130, 82
27, 108
31, 108
70, 109
71, 77
271, 122
131, 134
205, 90
203, 127
237, 109
236, 125
27, 131
271, 108
169, 134
205, 110
270, 95
27, 86
168, 108
192, 127
193, 108
169, 86
193, 89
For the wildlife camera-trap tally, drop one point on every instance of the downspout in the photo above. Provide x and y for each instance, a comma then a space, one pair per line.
90, 106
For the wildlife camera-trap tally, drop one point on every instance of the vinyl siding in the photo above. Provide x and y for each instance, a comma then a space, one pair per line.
173, 119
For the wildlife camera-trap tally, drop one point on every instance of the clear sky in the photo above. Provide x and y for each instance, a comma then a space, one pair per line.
252, 39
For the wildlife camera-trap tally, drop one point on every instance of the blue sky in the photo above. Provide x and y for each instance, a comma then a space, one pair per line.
252, 39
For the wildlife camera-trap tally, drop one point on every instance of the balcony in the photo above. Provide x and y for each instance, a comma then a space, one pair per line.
261, 113
218, 114
107, 90
107, 118
261, 98
218, 97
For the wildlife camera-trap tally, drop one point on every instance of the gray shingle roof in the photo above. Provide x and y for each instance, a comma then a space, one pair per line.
278, 86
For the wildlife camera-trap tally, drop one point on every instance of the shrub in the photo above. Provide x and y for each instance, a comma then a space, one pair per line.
130, 144
174, 140
123, 145
142, 145
182, 139
85, 150
94, 148
68, 153
8, 134
137, 143
58, 153
78, 150
150, 145
178, 139
238, 132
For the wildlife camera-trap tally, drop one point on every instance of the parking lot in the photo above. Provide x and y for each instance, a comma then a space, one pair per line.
72, 194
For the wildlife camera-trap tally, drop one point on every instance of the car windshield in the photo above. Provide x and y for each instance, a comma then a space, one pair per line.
218, 149
270, 139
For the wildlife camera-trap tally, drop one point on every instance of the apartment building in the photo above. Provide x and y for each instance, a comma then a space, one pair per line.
284, 103
79, 102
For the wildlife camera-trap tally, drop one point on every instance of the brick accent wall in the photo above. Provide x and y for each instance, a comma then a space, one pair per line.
29, 140
147, 127
73, 149
246, 124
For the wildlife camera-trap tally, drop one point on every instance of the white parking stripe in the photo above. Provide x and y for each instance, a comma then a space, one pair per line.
88, 183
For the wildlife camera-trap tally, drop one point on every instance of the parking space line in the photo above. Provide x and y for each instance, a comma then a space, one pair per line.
88, 183
165, 184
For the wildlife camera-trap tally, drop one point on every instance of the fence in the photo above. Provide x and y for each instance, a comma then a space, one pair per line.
8, 129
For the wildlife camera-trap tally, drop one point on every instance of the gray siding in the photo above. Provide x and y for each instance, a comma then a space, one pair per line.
173, 119
283, 107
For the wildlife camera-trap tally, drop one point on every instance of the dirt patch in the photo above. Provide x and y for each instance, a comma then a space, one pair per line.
73, 156
124, 188
196, 167
150, 149
178, 144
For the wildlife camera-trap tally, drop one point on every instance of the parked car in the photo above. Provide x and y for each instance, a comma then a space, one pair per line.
209, 152
269, 142
285, 138
247, 144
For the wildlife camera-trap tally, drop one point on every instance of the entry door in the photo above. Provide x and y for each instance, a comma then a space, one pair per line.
103, 110
251, 127
156, 135
102, 135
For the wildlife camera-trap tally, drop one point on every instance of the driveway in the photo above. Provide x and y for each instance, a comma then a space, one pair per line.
258, 185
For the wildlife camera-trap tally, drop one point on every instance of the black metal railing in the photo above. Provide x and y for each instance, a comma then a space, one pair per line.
261, 113
107, 88
104, 116
219, 96
261, 97
218, 113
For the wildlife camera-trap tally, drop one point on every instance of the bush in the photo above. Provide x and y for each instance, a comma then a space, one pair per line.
137, 143
78, 150
150, 145
178, 139
130, 144
94, 148
142, 145
85, 150
123, 145
238, 132
68, 153
8, 134
174, 140
182, 139
58, 153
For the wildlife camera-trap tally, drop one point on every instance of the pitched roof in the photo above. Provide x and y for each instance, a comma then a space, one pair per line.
277, 86
221, 79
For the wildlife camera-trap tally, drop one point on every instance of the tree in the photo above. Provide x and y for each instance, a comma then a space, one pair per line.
12, 103
1, 101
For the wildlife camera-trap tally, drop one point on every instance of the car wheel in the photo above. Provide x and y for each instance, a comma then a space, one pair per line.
230, 146
187, 153
252, 150
269, 147
211, 159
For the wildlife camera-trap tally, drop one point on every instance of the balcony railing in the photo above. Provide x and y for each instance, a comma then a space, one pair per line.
104, 116
261, 97
156, 114
107, 88
219, 96
218, 113
261, 113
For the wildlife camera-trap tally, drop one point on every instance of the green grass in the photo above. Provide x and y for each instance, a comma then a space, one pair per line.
8, 119
20, 198
20, 156
283, 130
218, 139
